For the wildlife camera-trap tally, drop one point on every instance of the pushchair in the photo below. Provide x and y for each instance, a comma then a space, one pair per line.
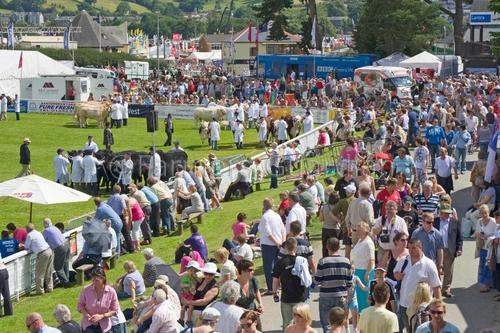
381, 166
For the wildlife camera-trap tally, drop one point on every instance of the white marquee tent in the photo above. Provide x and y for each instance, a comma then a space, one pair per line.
424, 60
213, 55
34, 64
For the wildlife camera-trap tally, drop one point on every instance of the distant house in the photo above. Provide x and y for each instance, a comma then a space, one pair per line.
56, 42
112, 38
238, 56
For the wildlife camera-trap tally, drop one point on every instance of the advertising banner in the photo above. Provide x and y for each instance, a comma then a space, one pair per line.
177, 111
55, 107
139, 110
23, 106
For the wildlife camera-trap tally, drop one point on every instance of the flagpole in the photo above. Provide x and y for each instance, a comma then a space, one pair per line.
100, 34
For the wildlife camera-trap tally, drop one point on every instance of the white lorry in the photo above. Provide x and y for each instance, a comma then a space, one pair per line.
136, 70
372, 79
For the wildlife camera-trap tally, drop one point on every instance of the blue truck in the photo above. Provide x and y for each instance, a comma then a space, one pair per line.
308, 66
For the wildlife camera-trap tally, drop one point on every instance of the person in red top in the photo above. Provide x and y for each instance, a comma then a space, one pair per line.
322, 138
388, 193
284, 205
240, 227
19, 234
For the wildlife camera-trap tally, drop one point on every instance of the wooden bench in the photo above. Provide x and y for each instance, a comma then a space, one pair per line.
187, 221
111, 261
80, 273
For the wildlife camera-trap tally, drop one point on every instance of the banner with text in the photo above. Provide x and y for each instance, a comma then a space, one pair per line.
139, 110
55, 107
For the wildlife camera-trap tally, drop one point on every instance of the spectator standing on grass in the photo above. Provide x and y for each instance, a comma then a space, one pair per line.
154, 169
169, 129
105, 212
17, 106
108, 139
60, 247
274, 162
35, 243
4, 289
77, 170
3, 107
272, 235
296, 213
25, 158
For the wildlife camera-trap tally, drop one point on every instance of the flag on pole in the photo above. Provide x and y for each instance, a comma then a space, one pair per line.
313, 34
66, 39
20, 64
10, 35
260, 28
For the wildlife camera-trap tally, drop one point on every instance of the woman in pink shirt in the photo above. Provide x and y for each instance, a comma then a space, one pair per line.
137, 218
97, 304
240, 227
348, 156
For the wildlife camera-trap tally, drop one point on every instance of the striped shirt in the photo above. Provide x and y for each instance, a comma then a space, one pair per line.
334, 276
430, 205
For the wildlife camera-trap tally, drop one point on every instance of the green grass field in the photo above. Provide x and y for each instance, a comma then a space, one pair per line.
48, 132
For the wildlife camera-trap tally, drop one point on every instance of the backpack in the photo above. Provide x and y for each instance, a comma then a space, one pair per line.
422, 316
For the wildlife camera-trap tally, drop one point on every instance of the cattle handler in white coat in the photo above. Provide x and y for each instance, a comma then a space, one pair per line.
61, 163
214, 134
125, 177
262, 132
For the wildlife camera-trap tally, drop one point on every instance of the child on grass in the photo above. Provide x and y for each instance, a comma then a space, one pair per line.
189, 279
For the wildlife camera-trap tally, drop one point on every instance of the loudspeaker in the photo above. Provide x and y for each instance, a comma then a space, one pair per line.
152, 121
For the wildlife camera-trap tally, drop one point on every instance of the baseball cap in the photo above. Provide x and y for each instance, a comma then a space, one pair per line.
351, 188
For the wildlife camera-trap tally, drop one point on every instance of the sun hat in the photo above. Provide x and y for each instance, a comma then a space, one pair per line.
27, 140
210, 268
210, 314
193, 264
445, 208
351, 188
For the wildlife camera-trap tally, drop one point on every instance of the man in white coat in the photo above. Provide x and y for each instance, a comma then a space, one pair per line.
77, 171
124, 109
308, 122
253, 113
281, 127
116, 114
89, 164
154, 164
3, 107
263, 110
17, 106
60, 164
239, 130
91, 145
125, 177
262, 132
214, 134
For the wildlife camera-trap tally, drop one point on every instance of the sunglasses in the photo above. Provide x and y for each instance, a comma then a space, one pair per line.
247, 325
209, 274
434, 312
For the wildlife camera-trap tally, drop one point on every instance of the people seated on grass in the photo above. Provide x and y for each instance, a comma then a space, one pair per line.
195, 199
197, 242
62, 314
188, 255
130, 284
149, 273
227, 268
241, 184
188, 282
230, 313
163, 320
243, 250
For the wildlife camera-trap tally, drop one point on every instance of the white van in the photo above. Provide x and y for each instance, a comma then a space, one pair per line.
374, 79
95, 73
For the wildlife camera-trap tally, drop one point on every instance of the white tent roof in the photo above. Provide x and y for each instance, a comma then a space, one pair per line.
423, 60
391, 60
212, 55
35, 64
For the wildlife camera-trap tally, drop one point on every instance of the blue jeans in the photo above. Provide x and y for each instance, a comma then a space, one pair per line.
166, 215
433, 150
214, 144
203, 195
119, 328
483, 146
269, 255
325, 304
274, 176
117, 227
460, 155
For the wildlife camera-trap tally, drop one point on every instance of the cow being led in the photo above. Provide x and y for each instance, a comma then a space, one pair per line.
91, 110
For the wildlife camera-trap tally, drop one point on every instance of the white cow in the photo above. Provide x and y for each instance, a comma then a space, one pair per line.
208, 113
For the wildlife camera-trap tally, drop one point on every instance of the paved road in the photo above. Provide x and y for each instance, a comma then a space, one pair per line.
469, 309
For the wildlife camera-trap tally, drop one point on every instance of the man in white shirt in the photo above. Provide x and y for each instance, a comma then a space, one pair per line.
60, 164
89, 165
154, 164
77, 170
263, 110
444, 166
91, 145
3, 107
124, 110
410, 271
125, 177
214, 129
17, 106
308, 122
272, 235
387, 227
35, 243
297, 213
281, 128
116, 114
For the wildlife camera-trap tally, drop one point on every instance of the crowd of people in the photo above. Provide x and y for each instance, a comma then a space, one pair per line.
390, 208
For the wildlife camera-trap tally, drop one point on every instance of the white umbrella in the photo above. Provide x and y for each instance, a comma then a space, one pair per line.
36, 189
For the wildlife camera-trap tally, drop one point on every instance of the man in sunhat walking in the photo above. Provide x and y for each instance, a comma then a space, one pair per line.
451, 232
25, 158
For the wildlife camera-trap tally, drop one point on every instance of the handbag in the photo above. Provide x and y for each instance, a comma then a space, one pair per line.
479, 243
492, 262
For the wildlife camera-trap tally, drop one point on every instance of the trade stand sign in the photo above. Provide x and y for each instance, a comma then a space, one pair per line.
482, 18
23, 107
